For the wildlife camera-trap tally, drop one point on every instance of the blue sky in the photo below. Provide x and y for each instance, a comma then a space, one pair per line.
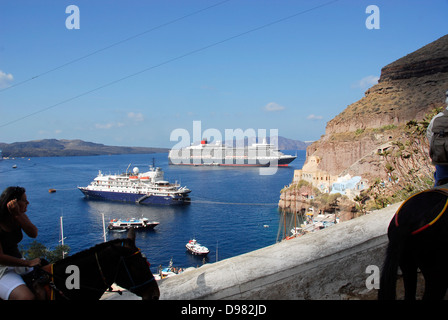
135, 71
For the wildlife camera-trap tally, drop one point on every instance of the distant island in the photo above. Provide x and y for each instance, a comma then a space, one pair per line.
290, 144
64, 148
282, 142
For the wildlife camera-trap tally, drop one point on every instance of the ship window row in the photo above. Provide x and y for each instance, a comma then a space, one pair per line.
219, 153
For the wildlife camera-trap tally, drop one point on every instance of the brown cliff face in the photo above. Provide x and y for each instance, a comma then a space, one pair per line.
429, 60
355, 155
408, 88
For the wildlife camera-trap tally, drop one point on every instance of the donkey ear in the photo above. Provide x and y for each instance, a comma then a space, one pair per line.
131, 234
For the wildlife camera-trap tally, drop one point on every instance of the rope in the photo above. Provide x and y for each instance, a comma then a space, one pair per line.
234, 203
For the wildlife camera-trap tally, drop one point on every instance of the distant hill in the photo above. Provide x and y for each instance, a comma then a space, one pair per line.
61, 148
289, 144
283, 143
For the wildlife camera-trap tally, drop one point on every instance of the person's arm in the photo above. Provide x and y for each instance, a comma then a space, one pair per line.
26, 225
22, 219
429, 132
10, 261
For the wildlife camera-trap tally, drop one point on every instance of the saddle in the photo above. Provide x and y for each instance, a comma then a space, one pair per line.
40, 281
422, 210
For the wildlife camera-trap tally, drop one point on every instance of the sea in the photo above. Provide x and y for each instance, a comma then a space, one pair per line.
233, 210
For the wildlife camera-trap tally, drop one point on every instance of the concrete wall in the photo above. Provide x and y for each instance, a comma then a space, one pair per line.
328, 264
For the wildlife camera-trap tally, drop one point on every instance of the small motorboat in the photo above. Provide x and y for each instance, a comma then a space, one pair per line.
168, 271
138, 224
196, 248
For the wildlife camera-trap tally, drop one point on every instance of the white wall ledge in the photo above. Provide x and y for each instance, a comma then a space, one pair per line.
328, 264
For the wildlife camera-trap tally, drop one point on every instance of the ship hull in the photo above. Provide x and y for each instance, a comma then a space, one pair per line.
149, 226
283, 162
196, 253
135, 197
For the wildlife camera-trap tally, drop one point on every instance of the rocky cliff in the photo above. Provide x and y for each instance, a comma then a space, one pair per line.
407, 89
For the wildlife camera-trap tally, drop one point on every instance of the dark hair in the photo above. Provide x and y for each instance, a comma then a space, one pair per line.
9, 194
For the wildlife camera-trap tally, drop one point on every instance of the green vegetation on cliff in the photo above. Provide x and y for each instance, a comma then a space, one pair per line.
407, 165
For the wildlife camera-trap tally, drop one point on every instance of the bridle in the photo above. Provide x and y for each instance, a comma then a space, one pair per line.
122, 261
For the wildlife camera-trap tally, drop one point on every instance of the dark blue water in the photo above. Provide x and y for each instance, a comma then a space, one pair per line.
219, 217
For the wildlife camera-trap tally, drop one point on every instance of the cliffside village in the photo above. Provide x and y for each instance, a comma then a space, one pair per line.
327, 183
